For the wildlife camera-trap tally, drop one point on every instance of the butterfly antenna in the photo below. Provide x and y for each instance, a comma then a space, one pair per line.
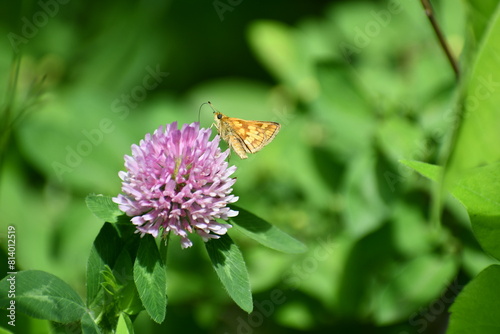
199, 110
211, 106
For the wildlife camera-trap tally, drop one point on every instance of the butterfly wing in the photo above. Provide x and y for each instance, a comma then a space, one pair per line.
238, 146
226, 127
258, 134
245, 136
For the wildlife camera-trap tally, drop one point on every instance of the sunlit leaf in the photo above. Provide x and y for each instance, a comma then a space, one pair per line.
125, 325
477, 142
103, 207
431, 172
480, 13
150, 279
476, 309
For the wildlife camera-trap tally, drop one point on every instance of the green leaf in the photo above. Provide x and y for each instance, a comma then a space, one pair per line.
480, 13
229, 265
431, 172
89, 326
129, 301
125, 325
268, 235
105, 250
150, 278
103, 207
477, 143
42, 295
477, 307
479, 192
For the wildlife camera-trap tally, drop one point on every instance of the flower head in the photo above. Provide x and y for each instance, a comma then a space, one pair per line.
179, 181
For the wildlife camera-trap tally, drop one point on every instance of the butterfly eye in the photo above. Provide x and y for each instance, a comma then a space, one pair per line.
219, 116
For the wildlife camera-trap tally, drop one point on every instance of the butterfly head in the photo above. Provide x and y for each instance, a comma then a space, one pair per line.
217, 114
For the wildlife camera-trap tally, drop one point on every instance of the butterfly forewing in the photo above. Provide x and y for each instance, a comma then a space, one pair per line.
258, 134
245, 136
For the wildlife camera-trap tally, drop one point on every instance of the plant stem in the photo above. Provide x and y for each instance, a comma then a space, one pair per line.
439, 191
430, 14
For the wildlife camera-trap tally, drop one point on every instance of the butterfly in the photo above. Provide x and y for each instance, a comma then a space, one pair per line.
244, 136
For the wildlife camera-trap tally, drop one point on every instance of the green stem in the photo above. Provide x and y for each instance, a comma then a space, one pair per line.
439, 188
439, 34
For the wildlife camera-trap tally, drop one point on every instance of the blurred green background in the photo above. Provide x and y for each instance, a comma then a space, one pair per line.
356, 85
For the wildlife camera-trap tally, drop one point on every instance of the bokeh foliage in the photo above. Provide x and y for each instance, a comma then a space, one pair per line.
356, 85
